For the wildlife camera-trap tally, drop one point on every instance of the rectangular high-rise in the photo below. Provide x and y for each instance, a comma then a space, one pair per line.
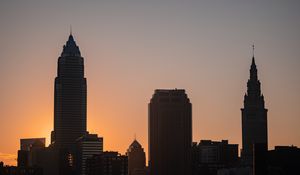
170, 133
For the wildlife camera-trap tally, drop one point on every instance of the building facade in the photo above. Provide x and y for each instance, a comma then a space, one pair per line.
170, 133
254, 117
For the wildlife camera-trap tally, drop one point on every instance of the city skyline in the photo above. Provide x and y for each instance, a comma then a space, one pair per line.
124, 77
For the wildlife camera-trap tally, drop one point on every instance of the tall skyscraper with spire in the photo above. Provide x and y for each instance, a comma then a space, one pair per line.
254, 117
70, 91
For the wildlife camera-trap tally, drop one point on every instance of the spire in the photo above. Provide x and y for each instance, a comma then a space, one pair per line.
70, 48
253, 69
253, 59
253, 83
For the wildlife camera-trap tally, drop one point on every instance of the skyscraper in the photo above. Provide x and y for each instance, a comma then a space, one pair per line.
136, 159
254, 117
70, 92
170, 133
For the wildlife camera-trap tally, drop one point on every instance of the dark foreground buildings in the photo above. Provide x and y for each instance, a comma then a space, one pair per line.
107, 163
210, 156
254, 118
13, 170
29, 150
87, 146
170, 133
284, 160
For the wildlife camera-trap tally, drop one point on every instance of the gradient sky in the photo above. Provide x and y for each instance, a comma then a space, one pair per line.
132, 47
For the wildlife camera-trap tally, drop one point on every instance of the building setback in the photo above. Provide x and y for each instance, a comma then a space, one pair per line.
170, 133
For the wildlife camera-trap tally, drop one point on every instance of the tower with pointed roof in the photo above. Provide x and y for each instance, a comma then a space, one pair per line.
254, 117
70, 91
136, 159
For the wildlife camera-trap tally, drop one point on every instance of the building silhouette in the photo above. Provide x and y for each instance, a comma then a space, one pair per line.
284, 160
170, 133
87, 146
136, 159
57, 160
29, 149
254, 117
107, 163
70, 91
13, 170
28, 144
210, 156
70, 144
260, 153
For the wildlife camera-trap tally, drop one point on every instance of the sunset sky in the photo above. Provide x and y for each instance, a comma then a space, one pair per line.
132, 47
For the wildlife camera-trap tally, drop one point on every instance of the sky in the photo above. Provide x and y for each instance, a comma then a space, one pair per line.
132, 47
